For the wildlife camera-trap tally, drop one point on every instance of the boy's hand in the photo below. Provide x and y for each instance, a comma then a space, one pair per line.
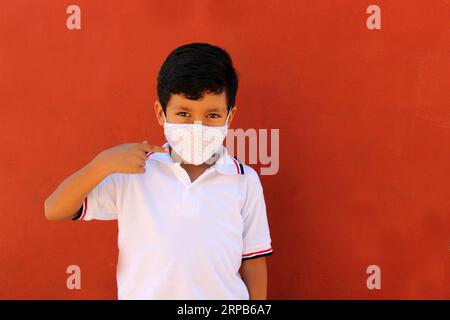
126, 158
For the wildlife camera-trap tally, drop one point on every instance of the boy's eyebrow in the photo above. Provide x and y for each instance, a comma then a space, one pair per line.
183, 108
212, 109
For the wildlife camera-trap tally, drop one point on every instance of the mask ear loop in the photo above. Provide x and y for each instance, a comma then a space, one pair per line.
228, 115
226, 126
170, 148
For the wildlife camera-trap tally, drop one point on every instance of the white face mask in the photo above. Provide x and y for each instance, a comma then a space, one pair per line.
193, 142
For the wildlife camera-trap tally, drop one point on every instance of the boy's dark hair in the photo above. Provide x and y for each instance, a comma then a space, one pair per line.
195, 69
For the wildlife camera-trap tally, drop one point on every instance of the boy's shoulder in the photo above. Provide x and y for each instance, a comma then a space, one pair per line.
246, 170
249, 174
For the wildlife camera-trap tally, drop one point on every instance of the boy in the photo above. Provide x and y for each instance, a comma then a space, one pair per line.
192, 218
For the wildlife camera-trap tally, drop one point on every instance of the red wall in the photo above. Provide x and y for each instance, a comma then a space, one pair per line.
364, 123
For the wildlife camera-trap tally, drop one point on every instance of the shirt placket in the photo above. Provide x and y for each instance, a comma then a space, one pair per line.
188, 206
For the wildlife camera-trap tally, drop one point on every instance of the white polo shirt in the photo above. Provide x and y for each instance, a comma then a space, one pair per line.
180, 239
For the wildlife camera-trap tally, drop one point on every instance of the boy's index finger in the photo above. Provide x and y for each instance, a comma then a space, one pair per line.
153, 148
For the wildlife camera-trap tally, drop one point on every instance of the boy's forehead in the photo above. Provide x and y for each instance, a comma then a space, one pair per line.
209, 101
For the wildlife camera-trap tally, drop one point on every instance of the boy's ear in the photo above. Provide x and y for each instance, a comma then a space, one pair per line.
159, 113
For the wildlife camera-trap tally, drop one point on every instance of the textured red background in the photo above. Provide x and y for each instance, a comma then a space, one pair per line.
364, 123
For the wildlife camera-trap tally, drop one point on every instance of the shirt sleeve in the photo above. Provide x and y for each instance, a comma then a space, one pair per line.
256, 237
101, 202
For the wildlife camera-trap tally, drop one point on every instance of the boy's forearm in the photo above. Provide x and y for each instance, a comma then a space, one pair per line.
254, 274
68, 197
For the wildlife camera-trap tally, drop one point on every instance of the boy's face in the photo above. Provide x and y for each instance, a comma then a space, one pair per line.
211, 110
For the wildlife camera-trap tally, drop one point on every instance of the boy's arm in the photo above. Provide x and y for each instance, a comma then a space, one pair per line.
65, 202
254, 275
256, 239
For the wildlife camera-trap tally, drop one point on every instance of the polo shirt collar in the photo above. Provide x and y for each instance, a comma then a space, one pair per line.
225, 164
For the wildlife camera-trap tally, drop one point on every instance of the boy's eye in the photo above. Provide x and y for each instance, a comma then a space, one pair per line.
213, 115
183, 114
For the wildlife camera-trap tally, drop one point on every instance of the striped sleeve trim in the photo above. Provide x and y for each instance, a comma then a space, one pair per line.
257, 254
83, 211
239, 166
